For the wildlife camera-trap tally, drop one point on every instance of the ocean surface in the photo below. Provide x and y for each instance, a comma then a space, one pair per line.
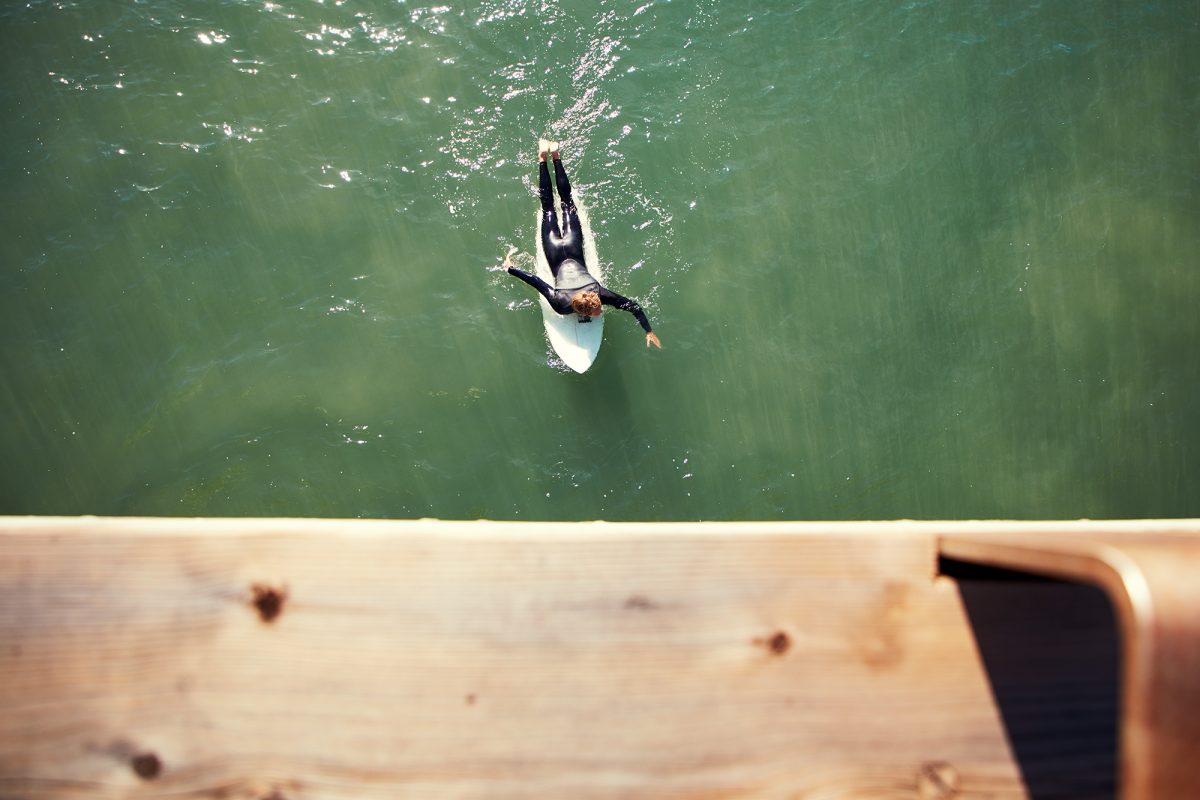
907, 259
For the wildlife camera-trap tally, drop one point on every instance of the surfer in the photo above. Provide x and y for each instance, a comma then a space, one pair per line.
575, 291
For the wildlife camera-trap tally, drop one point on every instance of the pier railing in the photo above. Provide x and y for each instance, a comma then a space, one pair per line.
304, 659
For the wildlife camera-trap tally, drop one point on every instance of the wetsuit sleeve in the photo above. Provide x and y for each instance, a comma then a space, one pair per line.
625, 304
543, 288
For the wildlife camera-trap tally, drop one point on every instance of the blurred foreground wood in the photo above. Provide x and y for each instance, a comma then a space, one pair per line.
298, 659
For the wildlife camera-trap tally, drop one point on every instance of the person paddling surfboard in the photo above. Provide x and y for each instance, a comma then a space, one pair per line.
575, 290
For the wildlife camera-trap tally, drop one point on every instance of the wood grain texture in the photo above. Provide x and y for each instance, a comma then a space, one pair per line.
274, 659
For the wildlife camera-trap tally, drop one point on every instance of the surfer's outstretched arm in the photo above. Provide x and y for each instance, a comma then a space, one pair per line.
557, 301
615, 300
533, 280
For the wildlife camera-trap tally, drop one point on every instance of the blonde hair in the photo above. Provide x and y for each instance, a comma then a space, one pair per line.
586, 303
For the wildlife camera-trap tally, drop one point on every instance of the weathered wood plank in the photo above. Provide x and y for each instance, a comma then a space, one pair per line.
442, 660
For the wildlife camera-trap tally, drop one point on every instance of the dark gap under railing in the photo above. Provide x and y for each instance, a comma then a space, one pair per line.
1051, 650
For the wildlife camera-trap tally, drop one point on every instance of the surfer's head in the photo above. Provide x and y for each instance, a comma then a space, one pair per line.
586, 304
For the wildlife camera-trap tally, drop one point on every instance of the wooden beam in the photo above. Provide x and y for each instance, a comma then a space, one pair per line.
302, 659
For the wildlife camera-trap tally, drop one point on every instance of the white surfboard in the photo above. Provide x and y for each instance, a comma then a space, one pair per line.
575, 342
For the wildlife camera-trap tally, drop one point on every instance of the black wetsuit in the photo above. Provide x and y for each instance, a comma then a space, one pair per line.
564, 252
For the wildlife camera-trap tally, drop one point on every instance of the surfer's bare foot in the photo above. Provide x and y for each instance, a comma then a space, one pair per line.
547, 148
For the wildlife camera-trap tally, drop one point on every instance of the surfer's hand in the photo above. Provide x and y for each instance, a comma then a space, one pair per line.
652, 339
508, 262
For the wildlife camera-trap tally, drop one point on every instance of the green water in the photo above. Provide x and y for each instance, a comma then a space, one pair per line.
907, 259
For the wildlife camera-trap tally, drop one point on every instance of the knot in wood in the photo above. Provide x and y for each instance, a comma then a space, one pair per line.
937, 780
268, 601
146, 766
